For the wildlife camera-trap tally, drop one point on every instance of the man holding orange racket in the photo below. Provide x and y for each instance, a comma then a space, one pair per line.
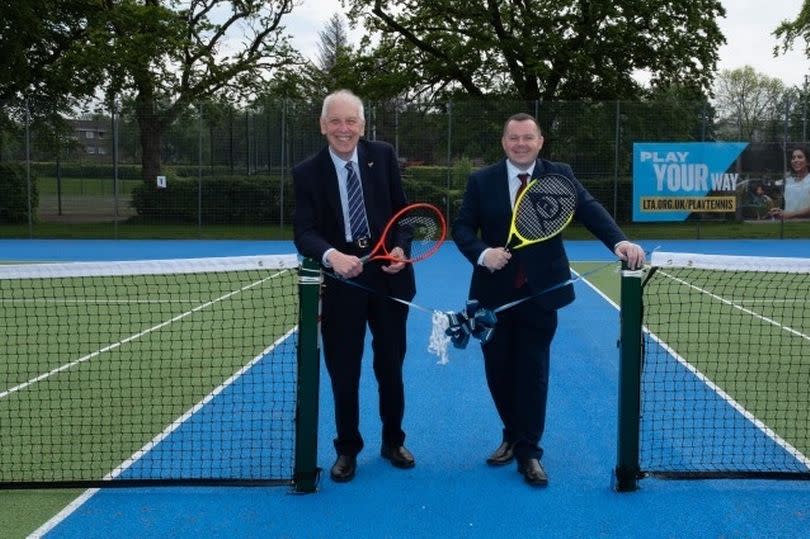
345, 195
516, 358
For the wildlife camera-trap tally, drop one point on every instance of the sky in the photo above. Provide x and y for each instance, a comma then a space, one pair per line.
748, 27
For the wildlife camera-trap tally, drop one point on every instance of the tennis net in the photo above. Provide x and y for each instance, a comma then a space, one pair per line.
149, 372
723, 370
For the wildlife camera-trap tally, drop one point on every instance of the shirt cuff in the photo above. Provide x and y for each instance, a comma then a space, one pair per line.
325, 258
482, 255
619, 243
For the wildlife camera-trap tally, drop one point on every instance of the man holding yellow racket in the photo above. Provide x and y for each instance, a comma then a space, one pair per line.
509, 228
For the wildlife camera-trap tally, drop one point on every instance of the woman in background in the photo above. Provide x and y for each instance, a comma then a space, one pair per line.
797, 189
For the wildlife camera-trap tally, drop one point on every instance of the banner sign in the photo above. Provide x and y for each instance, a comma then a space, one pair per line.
673, 179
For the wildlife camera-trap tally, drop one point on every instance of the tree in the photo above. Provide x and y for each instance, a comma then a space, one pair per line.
747, 102
542, 49
170, 55
335, 66
799, 28
42, 43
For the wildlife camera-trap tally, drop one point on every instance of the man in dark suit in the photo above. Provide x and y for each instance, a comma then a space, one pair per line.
516, 359
340, 214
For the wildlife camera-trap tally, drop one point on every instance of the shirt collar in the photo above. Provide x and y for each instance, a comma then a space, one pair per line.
339, 162
512, 171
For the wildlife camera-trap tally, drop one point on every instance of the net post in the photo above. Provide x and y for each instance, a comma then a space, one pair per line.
627, 466
305, 475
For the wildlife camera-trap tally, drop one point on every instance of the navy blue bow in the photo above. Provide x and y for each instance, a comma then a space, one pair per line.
473, 320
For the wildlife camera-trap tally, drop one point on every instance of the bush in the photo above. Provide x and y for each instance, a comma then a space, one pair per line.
224, 200
14, 193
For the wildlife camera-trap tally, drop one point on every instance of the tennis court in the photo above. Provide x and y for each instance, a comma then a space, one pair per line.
451, 426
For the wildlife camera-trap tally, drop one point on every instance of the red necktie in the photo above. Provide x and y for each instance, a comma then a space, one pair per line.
520, 275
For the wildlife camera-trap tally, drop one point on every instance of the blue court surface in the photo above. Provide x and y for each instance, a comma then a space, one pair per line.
451, 427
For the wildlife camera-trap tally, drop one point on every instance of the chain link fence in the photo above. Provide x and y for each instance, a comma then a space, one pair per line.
213, 170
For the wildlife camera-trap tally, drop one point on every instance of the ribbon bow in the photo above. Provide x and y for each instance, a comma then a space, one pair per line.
473, 321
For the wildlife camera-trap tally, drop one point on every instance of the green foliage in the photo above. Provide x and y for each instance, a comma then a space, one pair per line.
791, 30
748, 102
224, 200
14, 193
540, 49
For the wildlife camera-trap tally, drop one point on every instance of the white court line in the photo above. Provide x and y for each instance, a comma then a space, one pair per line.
89, 493
784, 444
86, 495
131, 338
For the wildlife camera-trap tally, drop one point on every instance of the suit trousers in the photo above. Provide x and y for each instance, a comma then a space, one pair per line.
346, 310
517, 367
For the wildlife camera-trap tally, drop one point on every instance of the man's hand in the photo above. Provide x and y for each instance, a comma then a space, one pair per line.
631, 253
346, 266
395, 267
496, 258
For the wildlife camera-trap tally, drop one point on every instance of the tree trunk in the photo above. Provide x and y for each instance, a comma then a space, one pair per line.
151, 134
151, 137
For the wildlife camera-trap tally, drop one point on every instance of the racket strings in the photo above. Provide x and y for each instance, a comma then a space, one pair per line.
419, 231
546, 207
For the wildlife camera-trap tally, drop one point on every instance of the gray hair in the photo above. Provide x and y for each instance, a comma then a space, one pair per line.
343, 94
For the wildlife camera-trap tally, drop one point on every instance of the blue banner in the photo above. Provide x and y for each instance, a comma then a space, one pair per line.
672, 180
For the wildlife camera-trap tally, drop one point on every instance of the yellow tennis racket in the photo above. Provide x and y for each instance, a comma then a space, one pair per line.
542, 210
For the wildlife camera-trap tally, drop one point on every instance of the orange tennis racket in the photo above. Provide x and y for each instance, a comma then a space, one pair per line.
418, 229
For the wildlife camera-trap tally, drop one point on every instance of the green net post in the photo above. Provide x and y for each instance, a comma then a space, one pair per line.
627, 467
305, 478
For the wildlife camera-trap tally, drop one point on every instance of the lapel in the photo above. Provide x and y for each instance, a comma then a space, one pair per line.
330, 185
502, 188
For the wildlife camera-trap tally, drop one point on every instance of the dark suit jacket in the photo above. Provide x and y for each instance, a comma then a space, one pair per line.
487, 209
318, 220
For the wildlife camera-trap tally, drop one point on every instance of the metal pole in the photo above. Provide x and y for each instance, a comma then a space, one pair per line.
616, 138
449, 159
283, 164
115, 166
627, 470
28, 167
804, 108
306, 473
199, 168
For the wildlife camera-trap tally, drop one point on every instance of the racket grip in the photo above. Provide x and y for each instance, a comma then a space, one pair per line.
364, 259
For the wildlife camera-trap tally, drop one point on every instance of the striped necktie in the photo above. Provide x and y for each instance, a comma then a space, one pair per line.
357, 209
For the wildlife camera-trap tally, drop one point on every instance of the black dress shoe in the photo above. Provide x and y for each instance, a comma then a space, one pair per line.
533, 472
344, 468
503, 455
399, 456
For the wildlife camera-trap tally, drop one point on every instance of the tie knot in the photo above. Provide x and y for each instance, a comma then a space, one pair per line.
523, 179
349, 166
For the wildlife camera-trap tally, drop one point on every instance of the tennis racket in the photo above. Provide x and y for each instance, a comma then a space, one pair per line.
543, 210
419, 229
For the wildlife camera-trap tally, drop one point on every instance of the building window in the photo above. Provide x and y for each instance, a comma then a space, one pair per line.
89, 134
91, 149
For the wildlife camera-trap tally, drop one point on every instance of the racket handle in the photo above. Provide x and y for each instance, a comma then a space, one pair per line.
364, 259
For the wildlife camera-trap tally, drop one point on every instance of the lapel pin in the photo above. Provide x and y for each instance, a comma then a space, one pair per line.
370, 164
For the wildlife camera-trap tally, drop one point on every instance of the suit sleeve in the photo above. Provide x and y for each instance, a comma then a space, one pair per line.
467, 223
308, 240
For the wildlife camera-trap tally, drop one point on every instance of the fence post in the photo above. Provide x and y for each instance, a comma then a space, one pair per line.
114, 127
199, 166
616, 140
449, 159
28, 168
283, 175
